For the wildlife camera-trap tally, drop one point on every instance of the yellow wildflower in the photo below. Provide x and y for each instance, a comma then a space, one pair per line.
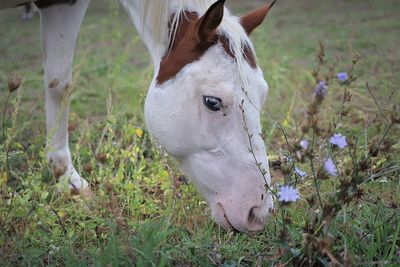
139, 132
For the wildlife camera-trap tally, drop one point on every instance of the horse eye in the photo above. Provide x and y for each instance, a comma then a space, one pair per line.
212, 103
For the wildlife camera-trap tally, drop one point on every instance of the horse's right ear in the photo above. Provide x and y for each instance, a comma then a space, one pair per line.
251, 20
208, 23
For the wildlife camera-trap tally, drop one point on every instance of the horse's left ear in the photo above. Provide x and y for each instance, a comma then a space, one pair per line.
209, 22
251, 20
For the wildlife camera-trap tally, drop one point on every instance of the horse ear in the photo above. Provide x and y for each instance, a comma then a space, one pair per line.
209, 22
251, 20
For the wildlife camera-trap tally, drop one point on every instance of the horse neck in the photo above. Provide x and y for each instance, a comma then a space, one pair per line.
135, 9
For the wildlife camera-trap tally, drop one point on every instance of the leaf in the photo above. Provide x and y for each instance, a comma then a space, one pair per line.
61, 213
44, 195
3, 179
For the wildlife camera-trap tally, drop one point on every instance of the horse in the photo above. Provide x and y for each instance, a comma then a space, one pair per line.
202, 106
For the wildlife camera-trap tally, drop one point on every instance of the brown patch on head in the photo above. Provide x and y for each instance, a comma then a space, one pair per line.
194, 36
184, 49
247, 53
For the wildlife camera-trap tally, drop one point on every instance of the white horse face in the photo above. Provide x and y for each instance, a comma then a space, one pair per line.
195, 116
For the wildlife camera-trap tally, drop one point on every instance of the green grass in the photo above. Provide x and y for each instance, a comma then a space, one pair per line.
144, 211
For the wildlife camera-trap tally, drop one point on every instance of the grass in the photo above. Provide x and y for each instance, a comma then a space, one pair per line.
144, 211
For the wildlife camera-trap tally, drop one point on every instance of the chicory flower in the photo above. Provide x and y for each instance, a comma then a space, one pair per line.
288, 193
330, 167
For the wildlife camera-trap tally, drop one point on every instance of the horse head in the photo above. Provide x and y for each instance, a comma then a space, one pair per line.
203, 107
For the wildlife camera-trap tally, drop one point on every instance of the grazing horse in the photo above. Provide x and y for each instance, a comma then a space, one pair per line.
203, 105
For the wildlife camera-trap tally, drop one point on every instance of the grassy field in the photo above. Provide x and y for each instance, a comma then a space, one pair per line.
144, 210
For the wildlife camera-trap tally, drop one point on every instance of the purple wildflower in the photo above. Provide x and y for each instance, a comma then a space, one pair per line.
288, 159
330, 167
321, 89
304, 144
288, 193
299, 172
338, 140
342, 76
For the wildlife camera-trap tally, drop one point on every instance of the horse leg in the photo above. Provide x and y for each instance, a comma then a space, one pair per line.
29, 11
60, 25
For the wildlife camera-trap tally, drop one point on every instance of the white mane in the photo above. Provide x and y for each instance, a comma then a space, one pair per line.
157, 16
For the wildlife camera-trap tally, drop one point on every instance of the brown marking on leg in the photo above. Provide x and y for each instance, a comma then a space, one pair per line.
59, 170
54, 83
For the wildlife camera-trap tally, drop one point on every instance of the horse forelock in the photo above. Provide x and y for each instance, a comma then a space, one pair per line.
171, 18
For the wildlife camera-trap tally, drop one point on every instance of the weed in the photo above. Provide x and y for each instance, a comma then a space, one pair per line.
146, 213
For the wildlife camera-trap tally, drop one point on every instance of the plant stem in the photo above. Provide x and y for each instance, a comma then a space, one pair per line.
7, 165
251, 149
316, 184
4, 135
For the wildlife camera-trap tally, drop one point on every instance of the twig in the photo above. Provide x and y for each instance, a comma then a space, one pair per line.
7, 165
392, 93
315, 180
267, 116
346, 93
59, 221
378, 175
4, 135
251, 150
376, 103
